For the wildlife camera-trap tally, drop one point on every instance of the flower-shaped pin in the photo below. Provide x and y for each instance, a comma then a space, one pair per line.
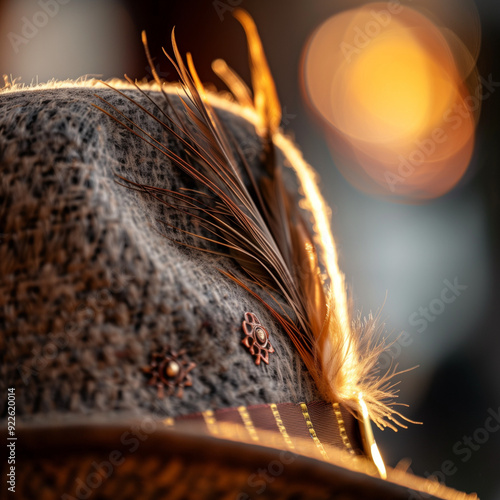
169, 371
256, 339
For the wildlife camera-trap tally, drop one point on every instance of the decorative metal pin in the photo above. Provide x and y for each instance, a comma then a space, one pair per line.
256, 339
169, 372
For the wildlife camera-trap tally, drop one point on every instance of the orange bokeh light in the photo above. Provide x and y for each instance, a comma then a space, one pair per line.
392, 89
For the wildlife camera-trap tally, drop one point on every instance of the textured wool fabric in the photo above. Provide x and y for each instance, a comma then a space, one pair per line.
89, 286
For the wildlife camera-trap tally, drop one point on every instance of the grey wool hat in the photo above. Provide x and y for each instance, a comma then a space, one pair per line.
139, 355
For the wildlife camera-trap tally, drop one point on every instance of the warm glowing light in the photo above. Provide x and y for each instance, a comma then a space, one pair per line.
388, 84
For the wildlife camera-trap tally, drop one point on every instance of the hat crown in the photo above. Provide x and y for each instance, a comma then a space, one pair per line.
96, 290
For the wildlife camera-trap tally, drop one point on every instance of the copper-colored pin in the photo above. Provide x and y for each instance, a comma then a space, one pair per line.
169, 372
256, 339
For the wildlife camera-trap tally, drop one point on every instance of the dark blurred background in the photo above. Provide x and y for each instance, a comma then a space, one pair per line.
394, 254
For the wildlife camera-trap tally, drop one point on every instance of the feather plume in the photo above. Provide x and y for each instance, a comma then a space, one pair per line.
263, 230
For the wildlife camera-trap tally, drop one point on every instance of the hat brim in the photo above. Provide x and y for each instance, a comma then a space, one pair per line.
131, 461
